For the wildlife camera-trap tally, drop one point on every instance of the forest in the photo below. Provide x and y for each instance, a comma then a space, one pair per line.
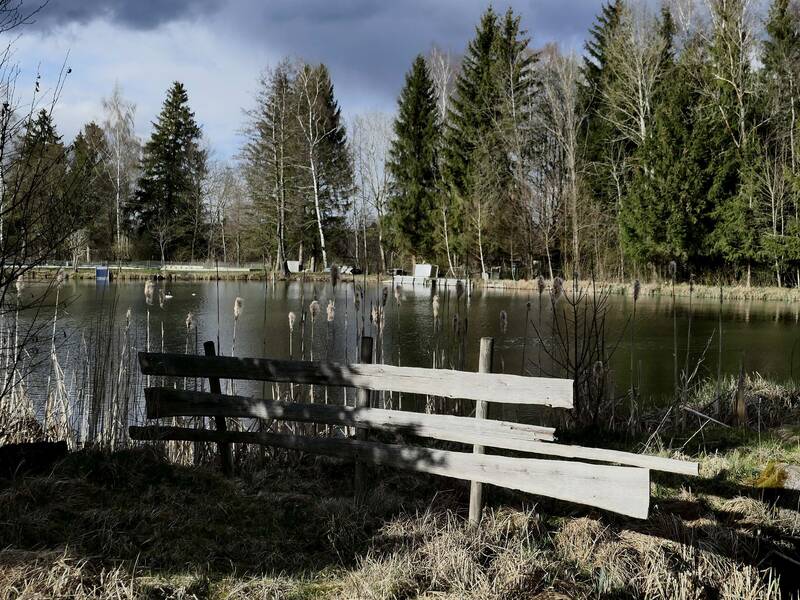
667, 146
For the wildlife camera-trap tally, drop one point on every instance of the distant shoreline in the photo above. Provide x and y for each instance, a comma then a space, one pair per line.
658, 289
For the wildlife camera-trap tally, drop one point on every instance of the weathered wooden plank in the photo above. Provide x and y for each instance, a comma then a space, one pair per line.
624, 490
164, 402
512, 389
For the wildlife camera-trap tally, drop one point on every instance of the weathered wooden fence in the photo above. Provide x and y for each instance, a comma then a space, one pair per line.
622, 486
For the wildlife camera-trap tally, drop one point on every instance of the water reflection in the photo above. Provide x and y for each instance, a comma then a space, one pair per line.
762, 335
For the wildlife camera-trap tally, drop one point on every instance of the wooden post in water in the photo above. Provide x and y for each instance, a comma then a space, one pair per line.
224, 448
362, 401
476, 487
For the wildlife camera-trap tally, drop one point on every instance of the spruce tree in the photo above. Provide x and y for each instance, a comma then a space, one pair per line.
413, 164
95, 189
666, 213
471, 118
598, 131
477, 169
39, 201
168, 204
326, 169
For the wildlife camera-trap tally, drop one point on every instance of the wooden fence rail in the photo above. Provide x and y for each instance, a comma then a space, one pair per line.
534, 439
446, 383
623, 489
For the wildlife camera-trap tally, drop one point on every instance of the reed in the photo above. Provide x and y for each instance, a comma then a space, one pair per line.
637, 288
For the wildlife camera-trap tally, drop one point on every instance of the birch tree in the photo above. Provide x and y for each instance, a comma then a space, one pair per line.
123, 149
372, 136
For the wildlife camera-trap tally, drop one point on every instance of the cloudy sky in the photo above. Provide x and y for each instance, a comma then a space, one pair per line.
217, 48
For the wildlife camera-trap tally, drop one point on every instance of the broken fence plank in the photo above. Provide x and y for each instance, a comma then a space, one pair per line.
624, 490
446, 383
165, 402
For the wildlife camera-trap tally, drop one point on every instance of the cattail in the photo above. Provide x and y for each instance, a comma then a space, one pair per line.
373, 315
455, 323
292, 319
314, 310
162, 300
357, 299
558, 288
331, 311
503, 321
540, 284
385, 296
149, 290
189, 322
334, 276
435, 304
237, 307
128, 317
459, 289
398, 293
637, 289
597, 372
673, 268
691, 283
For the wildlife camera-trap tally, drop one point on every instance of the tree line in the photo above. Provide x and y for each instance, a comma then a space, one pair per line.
672, 139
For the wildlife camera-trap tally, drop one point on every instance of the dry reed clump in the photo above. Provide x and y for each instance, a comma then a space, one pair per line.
676, 561
56, 574
437, 553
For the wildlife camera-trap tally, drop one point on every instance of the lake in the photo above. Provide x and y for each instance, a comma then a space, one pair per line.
761, 335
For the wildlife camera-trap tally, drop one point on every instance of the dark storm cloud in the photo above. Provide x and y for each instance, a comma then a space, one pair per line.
369, 44
134, 14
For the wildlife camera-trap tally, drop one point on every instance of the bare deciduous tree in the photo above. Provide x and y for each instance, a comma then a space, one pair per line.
372, 134
123, 149
561, 120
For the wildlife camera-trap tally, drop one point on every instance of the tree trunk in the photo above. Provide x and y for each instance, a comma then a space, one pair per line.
318, 210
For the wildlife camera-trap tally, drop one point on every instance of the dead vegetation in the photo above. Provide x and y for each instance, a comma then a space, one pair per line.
132, 525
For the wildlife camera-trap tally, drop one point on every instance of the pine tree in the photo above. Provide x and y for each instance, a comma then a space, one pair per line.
471, 119
733, 119
327, 177
39, 203
270, 159
598, 131
413, 164
495, 79
168, 204
97, 207
666, 213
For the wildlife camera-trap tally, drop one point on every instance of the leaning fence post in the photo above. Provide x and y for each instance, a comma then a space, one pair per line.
362, 401
224, 448
476, 487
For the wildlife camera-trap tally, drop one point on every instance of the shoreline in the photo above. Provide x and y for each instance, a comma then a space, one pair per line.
653, 289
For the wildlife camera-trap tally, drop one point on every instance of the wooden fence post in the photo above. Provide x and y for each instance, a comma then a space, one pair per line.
224, 448
476, 487
362, 401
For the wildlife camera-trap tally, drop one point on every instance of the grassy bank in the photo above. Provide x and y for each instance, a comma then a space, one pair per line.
131, 525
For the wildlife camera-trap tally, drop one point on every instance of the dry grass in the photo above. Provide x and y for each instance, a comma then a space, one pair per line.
130, 525
664, 288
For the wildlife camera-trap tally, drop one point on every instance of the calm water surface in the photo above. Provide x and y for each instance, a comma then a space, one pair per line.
764, 336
